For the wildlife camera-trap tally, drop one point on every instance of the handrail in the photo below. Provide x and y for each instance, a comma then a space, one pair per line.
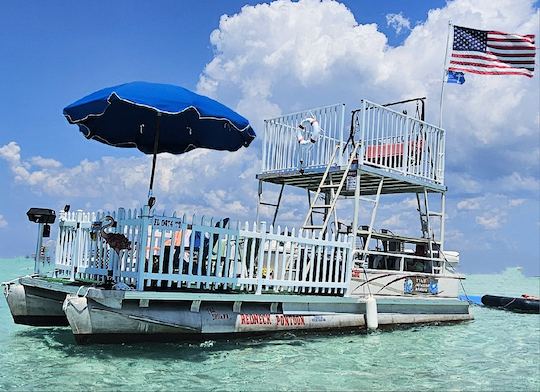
389, 140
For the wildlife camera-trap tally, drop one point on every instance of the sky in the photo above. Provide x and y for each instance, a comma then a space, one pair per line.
264, 60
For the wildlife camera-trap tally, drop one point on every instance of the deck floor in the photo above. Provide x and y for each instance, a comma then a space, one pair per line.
394, 182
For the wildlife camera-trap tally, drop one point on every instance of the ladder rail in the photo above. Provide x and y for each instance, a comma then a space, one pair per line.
341, 183
372, 220
335, 191
318, 192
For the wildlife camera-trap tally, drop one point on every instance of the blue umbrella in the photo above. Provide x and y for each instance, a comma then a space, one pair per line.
158, 118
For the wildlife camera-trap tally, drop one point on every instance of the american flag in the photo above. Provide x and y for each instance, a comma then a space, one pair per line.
492, 52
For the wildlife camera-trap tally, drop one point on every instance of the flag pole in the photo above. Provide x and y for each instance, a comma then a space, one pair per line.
441, 101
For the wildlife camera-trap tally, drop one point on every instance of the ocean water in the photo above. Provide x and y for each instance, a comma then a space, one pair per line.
497, 351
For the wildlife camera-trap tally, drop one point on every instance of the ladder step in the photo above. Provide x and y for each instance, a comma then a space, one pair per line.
322, 206
368, 199
329, 186
311, 227
435, 214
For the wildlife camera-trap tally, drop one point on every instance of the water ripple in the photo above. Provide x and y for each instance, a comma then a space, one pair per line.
497, 351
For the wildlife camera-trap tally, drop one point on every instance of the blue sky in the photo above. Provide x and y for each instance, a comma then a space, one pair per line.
55, 52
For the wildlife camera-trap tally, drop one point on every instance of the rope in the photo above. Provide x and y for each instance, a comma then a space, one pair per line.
454, 271
510, 303
368, 285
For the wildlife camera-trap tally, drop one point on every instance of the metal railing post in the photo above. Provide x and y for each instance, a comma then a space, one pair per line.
141, 246
37, 258
362, 140
349, 265
117, 265
260, 258
265, 141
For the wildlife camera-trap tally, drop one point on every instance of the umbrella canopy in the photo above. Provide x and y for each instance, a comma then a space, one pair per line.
127, 116
158, 118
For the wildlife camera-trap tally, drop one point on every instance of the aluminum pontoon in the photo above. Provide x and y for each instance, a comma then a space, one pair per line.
186, 276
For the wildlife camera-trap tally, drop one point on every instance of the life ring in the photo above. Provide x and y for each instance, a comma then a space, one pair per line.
315, 131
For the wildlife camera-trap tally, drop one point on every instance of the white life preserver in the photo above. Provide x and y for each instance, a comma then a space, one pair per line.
315, 131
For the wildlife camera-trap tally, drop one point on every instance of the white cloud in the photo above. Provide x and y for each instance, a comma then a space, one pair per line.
518, 182
469, 204
491, 209
206, 181
3, 221
283, 56
516, 202
398, 22
455, 235
492, 220
465, 183
45, 162
393, 221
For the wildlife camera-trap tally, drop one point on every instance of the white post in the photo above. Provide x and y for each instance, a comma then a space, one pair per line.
444, 74
342, 142
37, 258
264, 141
117, 266
260, 261
76, 250
145, 219
349, 263
356, 210
443, 218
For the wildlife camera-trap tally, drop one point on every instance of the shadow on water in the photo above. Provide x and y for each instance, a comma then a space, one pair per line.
62, 341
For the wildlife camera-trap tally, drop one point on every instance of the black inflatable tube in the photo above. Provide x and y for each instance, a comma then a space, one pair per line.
521, 305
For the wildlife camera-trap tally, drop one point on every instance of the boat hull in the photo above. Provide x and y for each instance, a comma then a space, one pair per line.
111, 316
519, 305
35, 306
92, 321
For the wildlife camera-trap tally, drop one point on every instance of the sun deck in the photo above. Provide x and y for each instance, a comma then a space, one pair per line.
408, 153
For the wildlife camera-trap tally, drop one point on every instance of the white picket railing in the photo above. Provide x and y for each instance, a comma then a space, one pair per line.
80, 254
397, 142
281, 150
208, 255
200, 253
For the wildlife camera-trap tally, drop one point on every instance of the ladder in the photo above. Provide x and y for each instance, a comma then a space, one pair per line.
375, 202
425, 219
329, 204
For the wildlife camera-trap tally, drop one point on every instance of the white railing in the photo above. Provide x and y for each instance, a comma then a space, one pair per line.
80, 254
200, 253
397, 142
389, 140
213, 255
281, 150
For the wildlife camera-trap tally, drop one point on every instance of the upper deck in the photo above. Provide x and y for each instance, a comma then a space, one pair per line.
407, 152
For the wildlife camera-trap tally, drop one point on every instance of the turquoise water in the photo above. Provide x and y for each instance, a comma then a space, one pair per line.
497, 351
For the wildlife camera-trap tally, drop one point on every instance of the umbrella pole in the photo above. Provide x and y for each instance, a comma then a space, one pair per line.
154, 158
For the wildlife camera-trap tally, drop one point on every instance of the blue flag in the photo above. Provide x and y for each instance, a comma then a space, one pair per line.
455, 77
